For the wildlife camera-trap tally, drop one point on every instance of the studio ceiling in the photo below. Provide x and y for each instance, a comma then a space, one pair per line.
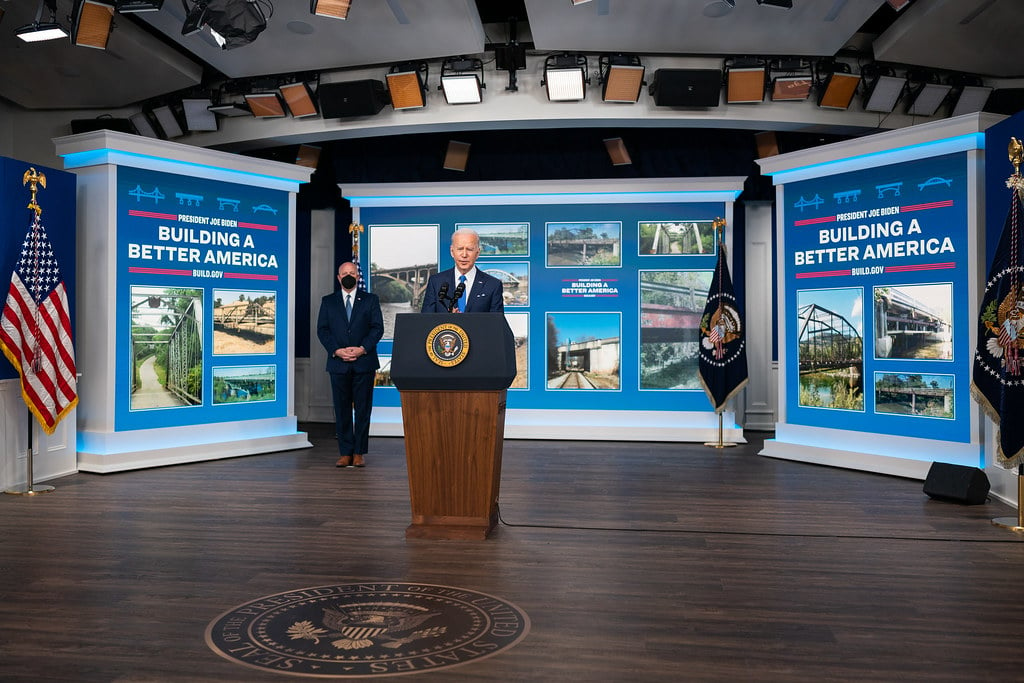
148, 57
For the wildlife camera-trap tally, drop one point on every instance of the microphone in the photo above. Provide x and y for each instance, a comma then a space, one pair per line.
442, 294
457, 295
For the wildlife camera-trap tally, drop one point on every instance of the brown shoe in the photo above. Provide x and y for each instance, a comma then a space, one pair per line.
344, 461
358, 461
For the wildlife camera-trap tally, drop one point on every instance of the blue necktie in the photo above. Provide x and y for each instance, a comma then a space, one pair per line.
348, 306
462, 299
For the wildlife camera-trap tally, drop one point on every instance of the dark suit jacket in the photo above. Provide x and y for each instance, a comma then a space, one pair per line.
485, 297
365, 329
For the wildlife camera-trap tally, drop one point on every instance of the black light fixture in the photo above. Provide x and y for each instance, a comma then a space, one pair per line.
462, 80
836, 84
565, 77
781, 4
745, 80
233, 23
791, 79
622, 78
882, 88
511, 56
407, 83
927, 93
336, 9
40, 30
134, 6
90, 23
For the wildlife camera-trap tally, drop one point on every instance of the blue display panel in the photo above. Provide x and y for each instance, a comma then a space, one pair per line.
876, 286
202, 282
604, 300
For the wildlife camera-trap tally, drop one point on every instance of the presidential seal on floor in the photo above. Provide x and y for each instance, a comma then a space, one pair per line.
367, 629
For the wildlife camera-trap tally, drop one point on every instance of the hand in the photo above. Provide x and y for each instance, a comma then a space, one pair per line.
350, 353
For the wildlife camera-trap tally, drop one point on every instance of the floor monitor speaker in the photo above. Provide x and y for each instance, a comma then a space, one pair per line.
957, 483
351, 98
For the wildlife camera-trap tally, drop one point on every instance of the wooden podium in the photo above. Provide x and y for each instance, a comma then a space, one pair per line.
452, 372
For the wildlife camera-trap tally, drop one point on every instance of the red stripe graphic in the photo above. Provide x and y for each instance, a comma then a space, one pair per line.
257, 226
158, 271
153, 214
812, 221
929, 205
823, 273
246, 276
923, 266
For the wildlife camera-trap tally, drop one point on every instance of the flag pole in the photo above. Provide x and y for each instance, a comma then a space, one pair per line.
719, 443
1015, 523
29, 489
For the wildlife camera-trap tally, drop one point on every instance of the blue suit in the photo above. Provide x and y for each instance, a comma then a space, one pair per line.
351, 381
485, 297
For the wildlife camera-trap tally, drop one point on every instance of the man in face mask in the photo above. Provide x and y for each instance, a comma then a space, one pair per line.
349, 326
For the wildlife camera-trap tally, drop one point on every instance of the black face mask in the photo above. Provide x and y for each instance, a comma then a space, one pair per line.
348, 282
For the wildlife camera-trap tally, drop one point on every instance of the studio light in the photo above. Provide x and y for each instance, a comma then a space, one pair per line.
565, 76
265, 105
198, 116
40, 30
407, 85
795, 85
836, 84
617, 152
299, 99
133, 6
90, 23
231, 109
972, 98
336, 9
883, 88
456, 156
308, 156
745, 79
143, 126
233, 23
898, 4
622, 78
168, 121
927, 93
462, 81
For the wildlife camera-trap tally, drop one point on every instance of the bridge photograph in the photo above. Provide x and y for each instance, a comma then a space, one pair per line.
584, 244
677, 237
244, 322
584, 350
671, 305
402, 259
501, 239
241, 384
914, 321
519, 323
515, 280
914, 394
166, 347
830, 350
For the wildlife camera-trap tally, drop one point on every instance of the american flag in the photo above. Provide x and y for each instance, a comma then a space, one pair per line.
355, 229
35, 331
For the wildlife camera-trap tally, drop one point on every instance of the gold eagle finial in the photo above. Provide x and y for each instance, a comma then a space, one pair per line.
1016, 154
34, 179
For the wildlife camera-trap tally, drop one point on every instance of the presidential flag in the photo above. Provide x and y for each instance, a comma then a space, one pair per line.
998, 375
35, 331
722, 348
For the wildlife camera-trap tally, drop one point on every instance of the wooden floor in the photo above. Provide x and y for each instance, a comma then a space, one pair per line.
634, 561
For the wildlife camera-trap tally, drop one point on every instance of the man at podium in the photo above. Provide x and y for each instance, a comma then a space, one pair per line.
464, 288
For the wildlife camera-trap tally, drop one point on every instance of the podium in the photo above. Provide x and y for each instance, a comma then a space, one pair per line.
452, 373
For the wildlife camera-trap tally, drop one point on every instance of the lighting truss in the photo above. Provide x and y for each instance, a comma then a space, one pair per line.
565, 76
336, 9
407, 85
462, 81
40, 30
622, 78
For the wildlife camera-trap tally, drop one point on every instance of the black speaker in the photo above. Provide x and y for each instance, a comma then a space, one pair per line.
352, 98
687, 87
957, 483
101, 123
